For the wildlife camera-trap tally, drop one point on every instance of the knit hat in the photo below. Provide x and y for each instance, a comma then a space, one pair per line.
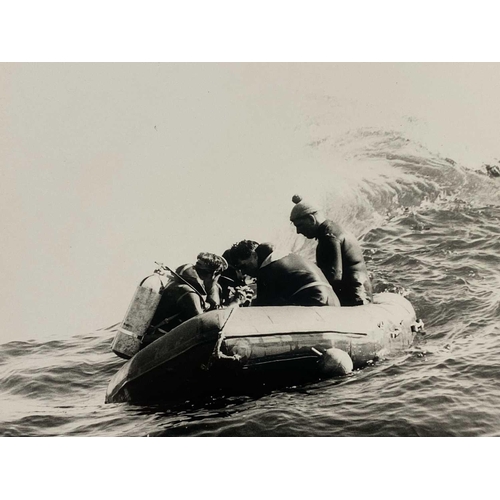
301, 208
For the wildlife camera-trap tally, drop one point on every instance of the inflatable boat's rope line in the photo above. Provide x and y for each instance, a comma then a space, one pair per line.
217, 353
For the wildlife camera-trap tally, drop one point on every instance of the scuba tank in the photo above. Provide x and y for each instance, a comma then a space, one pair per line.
140, 312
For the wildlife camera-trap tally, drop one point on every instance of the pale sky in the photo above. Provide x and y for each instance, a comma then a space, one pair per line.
108, 167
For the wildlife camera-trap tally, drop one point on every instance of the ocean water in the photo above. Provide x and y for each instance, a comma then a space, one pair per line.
430, 230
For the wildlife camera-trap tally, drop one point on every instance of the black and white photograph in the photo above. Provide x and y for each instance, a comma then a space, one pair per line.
249, 247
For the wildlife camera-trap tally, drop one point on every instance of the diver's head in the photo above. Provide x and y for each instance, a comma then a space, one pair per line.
306, 217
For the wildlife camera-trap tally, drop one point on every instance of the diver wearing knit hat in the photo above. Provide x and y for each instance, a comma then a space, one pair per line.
301, 208
338, 253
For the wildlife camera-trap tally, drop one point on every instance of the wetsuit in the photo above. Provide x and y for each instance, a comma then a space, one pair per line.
179, 301
340, 257
292, 280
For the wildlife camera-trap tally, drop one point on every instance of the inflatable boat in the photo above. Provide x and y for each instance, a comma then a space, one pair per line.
235, 348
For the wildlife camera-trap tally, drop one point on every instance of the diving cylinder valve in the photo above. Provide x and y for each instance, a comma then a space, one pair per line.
141, 310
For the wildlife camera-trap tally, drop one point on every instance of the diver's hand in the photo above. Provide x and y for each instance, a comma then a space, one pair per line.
244, 293
240, 295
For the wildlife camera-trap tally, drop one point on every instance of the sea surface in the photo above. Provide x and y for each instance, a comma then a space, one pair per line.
430, 229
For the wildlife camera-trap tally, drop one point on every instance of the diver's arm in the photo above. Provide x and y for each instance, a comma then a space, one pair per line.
332, 267
190, 305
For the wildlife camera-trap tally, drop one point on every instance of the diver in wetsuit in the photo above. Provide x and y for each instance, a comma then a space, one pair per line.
338, 254
193, 290
282, 279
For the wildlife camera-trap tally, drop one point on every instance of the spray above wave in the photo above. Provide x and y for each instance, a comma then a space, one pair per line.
374, 175
389, 172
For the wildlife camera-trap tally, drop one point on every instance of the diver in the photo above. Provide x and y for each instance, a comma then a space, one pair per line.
338, 253
193, 290
282, 279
